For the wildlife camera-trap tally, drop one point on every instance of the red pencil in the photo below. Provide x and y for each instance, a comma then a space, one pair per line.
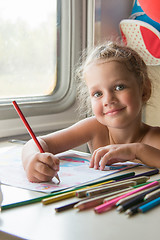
30, 131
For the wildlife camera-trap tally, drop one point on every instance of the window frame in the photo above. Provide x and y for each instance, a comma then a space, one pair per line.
71, 45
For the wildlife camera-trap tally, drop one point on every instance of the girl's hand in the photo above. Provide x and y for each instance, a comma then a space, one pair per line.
42, 167
112, 154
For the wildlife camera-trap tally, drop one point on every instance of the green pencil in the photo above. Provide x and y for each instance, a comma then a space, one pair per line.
39, 199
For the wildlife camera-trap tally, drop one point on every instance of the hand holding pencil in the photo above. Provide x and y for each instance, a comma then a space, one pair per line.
43, 165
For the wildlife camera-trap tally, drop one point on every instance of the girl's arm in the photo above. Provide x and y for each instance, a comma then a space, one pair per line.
44, 166
110, 154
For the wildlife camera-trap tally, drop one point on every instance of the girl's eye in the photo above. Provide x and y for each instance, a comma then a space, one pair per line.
97, 94
119, 87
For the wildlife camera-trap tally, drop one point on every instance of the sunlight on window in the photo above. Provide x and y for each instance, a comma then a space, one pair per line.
28, 48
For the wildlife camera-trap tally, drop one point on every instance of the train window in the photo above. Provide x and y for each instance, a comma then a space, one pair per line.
28, 48
38, 51
40, 44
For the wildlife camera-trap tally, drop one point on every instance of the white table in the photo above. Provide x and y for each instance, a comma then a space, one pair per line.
41, 222
36, 221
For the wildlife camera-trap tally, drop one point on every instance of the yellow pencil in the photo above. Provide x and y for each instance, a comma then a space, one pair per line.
60, 197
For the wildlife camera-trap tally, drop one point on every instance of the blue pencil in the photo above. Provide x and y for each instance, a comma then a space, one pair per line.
146, 207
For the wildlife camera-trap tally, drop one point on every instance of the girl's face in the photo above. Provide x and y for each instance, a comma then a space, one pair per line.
116, 96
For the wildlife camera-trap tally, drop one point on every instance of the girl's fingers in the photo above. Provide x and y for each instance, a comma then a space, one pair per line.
97, 156
108, 159
91, 165
111, 154
121, 153
50, 160
39, 177
44, 169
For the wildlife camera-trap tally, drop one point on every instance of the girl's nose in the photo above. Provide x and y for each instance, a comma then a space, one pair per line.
109, 98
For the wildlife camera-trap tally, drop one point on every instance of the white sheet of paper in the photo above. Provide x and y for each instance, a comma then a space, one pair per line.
74, 170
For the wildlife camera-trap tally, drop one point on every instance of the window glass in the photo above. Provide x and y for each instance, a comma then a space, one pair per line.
40, 44
28, 48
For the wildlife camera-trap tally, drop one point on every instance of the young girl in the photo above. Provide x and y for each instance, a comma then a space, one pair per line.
118, 86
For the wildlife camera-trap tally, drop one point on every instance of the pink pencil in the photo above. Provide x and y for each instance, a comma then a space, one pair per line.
109, 204
30, 131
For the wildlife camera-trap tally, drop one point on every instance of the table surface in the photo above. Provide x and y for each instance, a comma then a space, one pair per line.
36, 221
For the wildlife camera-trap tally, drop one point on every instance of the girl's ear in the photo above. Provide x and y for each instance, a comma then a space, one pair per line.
146, 91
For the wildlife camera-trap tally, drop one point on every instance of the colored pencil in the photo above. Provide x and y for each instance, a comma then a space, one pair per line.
155, 193
86, 203
58, 198
148, 206
146, 192
106, 189
138, 180
135, 209
107, 205
30, 131
131, 202
83, 192
67, 206
94, 201
148, 197
63, 196
67, 195
149, 173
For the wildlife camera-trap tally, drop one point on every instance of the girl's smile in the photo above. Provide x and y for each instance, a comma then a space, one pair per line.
114, 111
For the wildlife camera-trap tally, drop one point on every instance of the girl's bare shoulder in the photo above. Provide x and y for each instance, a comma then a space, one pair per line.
100, 135
153, 136
155, 131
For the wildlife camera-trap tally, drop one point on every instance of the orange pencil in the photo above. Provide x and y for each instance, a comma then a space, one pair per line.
30, 131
